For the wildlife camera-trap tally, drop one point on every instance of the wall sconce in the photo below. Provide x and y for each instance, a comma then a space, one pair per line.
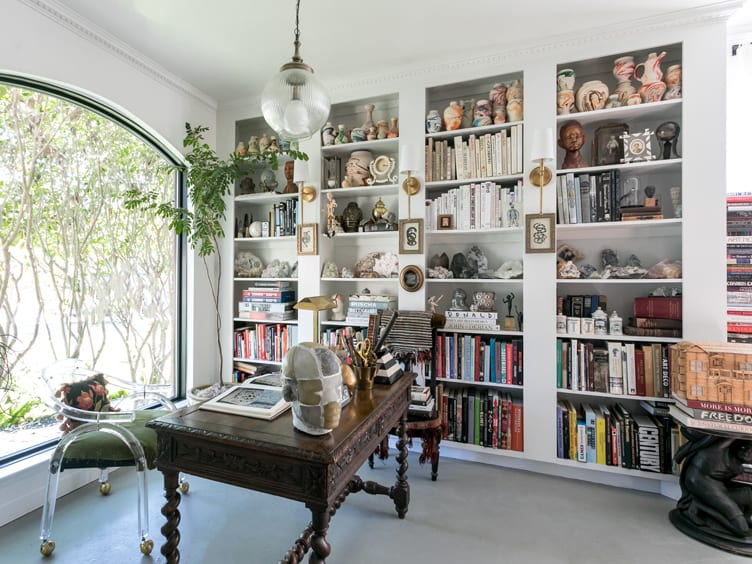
411, 185
542, 149
300, 176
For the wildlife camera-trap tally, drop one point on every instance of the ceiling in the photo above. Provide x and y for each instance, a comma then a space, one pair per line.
228, 49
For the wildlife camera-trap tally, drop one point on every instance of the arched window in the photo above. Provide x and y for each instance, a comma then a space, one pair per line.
80, 276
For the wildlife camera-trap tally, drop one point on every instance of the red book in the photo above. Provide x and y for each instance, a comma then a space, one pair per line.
510, 364
639, 360
439, 362
517, 426
668, 307
477, 361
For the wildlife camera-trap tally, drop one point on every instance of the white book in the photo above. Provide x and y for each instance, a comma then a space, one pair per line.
574, 363
562, 180
631, 387
615, 378
571, 198
458, 157
249, 399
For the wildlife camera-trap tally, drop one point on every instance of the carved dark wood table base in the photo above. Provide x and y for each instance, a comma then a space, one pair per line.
273, 457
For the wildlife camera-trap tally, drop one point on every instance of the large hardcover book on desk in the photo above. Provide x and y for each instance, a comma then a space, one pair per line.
249, 399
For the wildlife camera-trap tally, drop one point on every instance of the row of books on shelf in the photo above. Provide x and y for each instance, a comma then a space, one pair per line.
264, 342
478, 156
576, 305
616, 436
479, 205
589, 198
487, 418
473, 358
360, 307
612, 367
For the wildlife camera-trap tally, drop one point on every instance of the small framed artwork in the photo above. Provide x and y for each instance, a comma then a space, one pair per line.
411, 236
446, 221
608, 147
308, 238
637, 147
411, 278
539, 233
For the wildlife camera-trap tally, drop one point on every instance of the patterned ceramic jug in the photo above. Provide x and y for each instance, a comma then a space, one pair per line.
651, 69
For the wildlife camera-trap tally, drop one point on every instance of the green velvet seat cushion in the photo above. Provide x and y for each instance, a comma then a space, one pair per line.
102, 450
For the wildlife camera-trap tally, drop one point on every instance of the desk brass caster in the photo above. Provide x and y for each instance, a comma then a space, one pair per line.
147, 545
184, 487
47, 547
104, 488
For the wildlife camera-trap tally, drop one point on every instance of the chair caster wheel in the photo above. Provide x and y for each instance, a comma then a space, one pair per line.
104, 488
184, 487
47, 547
147, 546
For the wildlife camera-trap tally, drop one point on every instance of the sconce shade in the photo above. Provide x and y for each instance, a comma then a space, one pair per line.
300, 172
407, 159
542, 146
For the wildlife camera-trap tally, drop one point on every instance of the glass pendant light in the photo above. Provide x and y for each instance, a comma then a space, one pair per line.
294, 103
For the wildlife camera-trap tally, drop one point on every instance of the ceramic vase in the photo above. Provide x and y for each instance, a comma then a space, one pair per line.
357, 134
482, 113
565, 80
591, 96
514, 109
369, 117
433, 122
649, 71
652, 92
624, 90
484, 300
468, 107
500, 114
673, 82
253, 146
264, 143
564, 102
328, 134
341, 135
623, 69
453, 116
382, 129
356, 167
514, 92
393, 130
498, 96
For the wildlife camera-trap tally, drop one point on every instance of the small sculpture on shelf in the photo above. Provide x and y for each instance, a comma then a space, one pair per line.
290, 187
341, 135
328, 134
510, 321
351, 217
453, 116
331, 205
433, 302
339, 312
468, 109
277, 269
458, 300
509, 269
248, 265
330, 270
433, 122
667, 133
269, 180
484, 300
263, 143
571, 139
673, 82
253, 146
482, 113
440, 273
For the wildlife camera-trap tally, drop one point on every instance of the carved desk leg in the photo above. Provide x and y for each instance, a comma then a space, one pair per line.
320, 524
170, 510
401, 489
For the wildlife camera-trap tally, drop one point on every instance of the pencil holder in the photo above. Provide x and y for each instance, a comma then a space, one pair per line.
364, 376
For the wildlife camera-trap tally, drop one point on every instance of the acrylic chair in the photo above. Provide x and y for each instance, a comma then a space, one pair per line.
412, 339
100, 434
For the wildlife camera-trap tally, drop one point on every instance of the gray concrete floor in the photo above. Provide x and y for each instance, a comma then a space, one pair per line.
473, 513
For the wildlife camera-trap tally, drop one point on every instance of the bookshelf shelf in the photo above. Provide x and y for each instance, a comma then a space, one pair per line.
619, 281
265, 322
263, 240
491, 281
626, 113
476, 383
484, 332
620, 229
344, 149
264, 198
374, 190
632, 168
618, 338
257, 361
565, 391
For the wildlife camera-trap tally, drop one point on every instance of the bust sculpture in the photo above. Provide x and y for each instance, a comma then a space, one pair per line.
571, 139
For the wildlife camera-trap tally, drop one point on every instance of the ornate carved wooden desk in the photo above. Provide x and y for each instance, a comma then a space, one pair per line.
273, 457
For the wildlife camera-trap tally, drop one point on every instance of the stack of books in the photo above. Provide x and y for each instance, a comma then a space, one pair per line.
422, 402
361, 306
712, 416
739, 267
389, 369
637, 213
268, 301
656, 316
475, 320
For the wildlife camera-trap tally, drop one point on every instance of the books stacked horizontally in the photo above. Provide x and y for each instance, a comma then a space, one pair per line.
389, 368
475, 320
361, 306
656, 316
637, 213
422, 402
712, 416
268, 301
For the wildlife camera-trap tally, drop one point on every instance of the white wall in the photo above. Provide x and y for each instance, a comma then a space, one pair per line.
48, 45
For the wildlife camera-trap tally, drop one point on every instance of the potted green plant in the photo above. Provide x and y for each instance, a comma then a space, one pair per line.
210, 180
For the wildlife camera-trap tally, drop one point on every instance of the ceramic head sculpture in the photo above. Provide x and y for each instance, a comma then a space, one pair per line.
313, 384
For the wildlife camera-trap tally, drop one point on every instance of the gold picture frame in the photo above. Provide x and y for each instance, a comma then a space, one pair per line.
411, 278
445, 221
540, 233
411, 236
308, 239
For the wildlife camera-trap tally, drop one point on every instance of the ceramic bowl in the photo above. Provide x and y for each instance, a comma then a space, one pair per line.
591, 96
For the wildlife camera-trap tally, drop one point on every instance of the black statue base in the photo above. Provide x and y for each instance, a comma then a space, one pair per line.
711, 535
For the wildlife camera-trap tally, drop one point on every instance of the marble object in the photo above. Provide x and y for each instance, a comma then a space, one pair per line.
365, 264
341, 137
358, 134
255, 229
269, 180
387, 265
459, 266
587, 270
498, 96
665, 269
591, 96
330, 270
476, 256
509, 269
564, 102
609, 258
568, 269
439, 260
673, 82
248, 265
393, 129
347, 273
565, 80
482, 113
339, 313
440, 272
277, 269
623, 272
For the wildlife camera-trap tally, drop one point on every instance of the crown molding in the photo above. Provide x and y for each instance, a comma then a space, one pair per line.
88, 30
694, 17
